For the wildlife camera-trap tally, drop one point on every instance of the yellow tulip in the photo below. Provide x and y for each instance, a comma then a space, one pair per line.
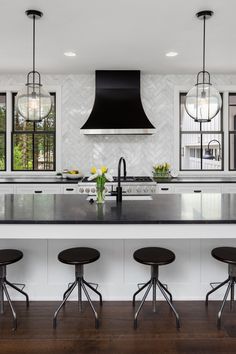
93, 170
104, 169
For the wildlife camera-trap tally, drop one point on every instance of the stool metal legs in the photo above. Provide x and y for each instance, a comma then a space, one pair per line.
231, 280
154, 282
3, 290
80, 282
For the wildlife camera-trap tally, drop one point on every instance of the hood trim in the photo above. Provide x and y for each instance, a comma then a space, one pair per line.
131, 131
117, 108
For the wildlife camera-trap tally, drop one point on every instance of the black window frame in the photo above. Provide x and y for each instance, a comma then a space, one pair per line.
231, 132
33, 133
4, 133
201, 133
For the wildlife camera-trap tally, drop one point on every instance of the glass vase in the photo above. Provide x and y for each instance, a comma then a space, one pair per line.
100, 194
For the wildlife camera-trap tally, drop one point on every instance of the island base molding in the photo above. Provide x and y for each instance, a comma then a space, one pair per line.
118, 231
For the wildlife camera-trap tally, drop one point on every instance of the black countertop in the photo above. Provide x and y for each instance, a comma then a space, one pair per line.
75, 209
54, 180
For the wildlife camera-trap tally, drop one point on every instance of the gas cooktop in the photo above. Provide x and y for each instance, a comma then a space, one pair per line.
128, 179
130, 185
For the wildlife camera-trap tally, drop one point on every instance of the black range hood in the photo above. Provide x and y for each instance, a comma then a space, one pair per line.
117, 108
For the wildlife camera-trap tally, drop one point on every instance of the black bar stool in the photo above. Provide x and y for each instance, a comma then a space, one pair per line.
226, 255
78, 257
9, 256
154, 257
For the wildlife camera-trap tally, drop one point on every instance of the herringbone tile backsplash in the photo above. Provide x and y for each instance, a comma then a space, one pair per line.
140, 152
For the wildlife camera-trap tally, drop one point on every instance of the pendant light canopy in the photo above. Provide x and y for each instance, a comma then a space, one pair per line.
33, 102
203, 101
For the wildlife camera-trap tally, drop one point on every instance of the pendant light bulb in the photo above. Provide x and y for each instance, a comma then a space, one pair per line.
33, 102
203, 102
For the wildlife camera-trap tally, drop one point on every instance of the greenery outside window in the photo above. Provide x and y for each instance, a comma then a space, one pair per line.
2, 131
33, 143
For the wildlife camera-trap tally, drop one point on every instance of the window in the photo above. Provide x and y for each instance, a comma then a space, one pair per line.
232, 131
195, 138
2, 131
33, 144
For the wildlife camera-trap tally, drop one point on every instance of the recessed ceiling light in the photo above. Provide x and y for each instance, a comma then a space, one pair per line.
172, 54
70, 54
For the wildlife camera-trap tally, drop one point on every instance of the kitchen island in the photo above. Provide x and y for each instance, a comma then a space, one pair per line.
189, 224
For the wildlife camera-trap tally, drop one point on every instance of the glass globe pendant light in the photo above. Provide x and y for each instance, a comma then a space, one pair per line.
203, 101
33, 102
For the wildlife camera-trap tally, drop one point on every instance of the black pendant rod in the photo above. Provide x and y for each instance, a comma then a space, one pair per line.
34, 14
33, 42
33, 50
204, 44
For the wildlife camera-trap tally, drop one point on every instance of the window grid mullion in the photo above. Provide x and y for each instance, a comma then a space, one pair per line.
200, 133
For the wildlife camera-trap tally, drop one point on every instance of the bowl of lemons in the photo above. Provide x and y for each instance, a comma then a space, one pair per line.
74, 174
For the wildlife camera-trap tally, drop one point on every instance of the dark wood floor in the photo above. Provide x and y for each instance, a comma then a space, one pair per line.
156, 332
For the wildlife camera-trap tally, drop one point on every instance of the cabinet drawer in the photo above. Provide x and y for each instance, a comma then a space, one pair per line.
165, 188
7, 189
38, 189
229, 188
197, 188
70, 189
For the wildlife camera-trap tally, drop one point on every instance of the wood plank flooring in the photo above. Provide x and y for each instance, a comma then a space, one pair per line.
156, 332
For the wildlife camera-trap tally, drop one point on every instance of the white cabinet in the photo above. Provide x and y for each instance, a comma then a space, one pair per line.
190, 188
39, 189
229, 188
165, 188
197, 188
70, 189
7, 188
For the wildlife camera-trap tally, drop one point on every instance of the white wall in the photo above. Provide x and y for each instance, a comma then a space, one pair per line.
141, 152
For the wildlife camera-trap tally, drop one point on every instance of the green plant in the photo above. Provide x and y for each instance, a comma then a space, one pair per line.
161, 170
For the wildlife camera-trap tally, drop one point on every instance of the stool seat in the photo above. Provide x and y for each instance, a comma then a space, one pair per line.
154, 256
78, 255
225, 254
9, 256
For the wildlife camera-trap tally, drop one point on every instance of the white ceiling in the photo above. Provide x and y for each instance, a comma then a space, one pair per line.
117, 34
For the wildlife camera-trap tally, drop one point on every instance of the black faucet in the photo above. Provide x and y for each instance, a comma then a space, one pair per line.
119, 188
